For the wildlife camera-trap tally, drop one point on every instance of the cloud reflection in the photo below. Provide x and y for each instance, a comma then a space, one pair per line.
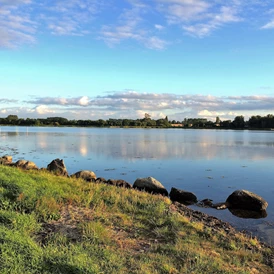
134, 144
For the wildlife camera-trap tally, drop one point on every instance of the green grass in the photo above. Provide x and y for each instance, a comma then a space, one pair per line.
51, 224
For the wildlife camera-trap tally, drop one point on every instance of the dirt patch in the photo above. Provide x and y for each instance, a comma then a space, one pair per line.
67, 224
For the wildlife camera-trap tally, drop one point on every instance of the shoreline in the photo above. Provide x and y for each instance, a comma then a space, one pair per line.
28, 165
192, 213
139, 127
139, 226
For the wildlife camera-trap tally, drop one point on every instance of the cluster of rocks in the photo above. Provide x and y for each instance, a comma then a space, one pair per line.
241, 203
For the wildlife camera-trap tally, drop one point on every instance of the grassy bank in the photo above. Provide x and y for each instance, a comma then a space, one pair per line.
51, 224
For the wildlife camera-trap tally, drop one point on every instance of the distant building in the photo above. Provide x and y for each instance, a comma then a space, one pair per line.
177, 125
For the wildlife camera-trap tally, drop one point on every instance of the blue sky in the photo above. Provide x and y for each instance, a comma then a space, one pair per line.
92, 59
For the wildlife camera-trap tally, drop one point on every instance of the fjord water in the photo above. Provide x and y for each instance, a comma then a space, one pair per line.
210, 163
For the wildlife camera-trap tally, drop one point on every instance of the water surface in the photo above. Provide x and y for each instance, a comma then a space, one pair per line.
210, 163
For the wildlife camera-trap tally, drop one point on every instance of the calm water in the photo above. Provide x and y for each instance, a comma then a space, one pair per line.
210, 163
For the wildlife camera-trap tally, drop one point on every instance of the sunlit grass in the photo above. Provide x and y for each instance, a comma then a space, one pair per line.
51, 224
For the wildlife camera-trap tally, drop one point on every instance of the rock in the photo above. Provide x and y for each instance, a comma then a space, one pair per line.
6, 160
58, 167
20, 163
181, 196
208, 203
24, 164
85, 175
151, 185
220, 206
30, 165
205, 203
100, 180
118, 183
243, 199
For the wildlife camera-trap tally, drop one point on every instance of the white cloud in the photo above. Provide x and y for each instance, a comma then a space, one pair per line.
210, 114
132, 104
42, 109
137, 21
225, 15
159, 27
185, 10
78, 101
130, 26
155, 43
199, 30
16, 27
83, 101
70, 17
269, 25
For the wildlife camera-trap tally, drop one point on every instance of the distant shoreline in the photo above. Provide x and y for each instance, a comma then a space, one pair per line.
254, 123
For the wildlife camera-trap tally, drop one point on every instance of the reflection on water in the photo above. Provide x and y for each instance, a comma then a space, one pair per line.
146, 144
248, 214
211, 163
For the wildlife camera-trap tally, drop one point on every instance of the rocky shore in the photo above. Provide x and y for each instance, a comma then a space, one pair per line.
240, 201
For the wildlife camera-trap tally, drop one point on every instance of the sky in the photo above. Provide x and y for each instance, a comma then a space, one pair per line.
101, 59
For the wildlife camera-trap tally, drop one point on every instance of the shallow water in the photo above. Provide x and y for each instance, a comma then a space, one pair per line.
210, 163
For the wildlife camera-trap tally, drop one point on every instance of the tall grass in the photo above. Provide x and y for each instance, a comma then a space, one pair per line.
51, 224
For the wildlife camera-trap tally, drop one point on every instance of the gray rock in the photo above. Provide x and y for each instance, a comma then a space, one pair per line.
151, 185
85, 175
181, 196
58, 167
243, 199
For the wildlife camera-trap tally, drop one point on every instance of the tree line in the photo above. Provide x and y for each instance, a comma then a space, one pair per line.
254, 122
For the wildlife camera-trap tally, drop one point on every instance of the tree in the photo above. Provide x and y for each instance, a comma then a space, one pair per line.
147, 116
239, 122
226, 124
12, 117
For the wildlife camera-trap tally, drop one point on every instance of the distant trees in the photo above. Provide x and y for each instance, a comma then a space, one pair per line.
196, 122
254, 122
12, 118
147, 116
239, 122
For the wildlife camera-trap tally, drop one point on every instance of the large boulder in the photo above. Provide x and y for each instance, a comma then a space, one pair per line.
58, 167
85, 175
151, 185
6, 160
243, 199
118, 183
181, 196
